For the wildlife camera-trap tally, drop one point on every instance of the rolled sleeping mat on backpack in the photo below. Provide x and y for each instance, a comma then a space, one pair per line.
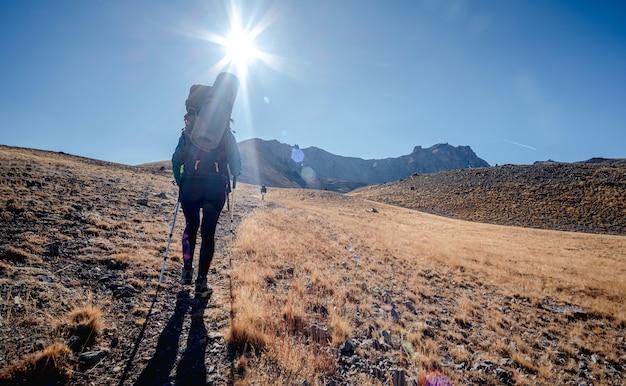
214, 115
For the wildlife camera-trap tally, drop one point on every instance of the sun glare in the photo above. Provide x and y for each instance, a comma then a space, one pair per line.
240, 49
241, 53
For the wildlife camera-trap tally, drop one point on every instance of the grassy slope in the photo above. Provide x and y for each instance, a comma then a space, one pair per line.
454, 295
457, 294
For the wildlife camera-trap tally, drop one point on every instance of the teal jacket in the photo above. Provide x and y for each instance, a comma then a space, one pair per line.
233, 157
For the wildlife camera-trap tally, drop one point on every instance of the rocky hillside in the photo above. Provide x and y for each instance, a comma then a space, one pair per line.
275, 164
585, 197
77, 232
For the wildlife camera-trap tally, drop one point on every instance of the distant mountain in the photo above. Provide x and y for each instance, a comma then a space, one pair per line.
595, 160
609, 161
280, 165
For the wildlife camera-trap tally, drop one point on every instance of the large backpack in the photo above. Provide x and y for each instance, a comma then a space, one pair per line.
210, 109
207, 136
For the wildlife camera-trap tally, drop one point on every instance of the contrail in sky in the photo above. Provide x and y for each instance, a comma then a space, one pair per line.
520, 144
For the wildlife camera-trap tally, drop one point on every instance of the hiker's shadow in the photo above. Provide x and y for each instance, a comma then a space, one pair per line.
191, 369
158, 370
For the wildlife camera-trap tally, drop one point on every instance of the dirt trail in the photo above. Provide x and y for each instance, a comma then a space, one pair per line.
184, 341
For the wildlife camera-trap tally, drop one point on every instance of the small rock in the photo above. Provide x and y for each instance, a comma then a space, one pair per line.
504, 376
367, 344
387, 336
74, 342
54, 249
39, 345
215, 335
125, 291
395, 315
347, 349
91, 358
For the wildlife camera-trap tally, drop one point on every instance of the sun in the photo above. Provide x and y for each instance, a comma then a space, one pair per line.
240, 49
240, 52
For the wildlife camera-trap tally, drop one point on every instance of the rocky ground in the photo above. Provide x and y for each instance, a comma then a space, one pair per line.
580, 197
77, 231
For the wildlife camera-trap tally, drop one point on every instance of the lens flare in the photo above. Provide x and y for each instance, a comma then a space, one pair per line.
297, 155
308, 175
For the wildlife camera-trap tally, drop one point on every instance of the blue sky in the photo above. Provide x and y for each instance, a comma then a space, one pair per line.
517, 80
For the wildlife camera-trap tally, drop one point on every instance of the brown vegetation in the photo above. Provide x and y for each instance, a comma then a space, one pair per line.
486, 304
313, 287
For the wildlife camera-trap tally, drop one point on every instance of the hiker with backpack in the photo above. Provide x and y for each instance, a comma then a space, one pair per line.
201, 171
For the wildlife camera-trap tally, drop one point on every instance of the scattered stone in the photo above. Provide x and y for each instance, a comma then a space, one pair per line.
214, 335
75, 343
125, 291
347, 349
54, 249
91, 358
387, 337
395, 316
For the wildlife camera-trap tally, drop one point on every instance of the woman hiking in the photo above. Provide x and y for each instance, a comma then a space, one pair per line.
203, 180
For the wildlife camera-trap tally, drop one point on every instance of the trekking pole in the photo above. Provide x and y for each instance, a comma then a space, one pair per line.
169, 239
232, 209
143, 328
230, 252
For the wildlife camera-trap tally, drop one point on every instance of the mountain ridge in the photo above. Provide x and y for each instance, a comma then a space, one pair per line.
272, 163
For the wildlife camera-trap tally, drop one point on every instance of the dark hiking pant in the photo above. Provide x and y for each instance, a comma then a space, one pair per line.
202, 204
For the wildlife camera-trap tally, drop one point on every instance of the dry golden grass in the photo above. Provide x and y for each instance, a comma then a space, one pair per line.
311, 270
321, 259
48, 366
84, 322
51, 365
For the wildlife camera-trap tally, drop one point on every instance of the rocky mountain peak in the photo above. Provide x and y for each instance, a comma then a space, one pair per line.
273, 164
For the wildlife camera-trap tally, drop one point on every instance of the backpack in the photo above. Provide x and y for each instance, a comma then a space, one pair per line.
199, 162
209, 109
198, 94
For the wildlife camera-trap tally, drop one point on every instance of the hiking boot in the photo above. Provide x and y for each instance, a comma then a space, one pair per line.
186, 276
203, 289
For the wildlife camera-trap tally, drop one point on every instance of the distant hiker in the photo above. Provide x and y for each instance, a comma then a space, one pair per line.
263, 191
203, 179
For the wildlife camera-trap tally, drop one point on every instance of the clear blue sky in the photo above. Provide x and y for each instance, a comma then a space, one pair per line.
517, 80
